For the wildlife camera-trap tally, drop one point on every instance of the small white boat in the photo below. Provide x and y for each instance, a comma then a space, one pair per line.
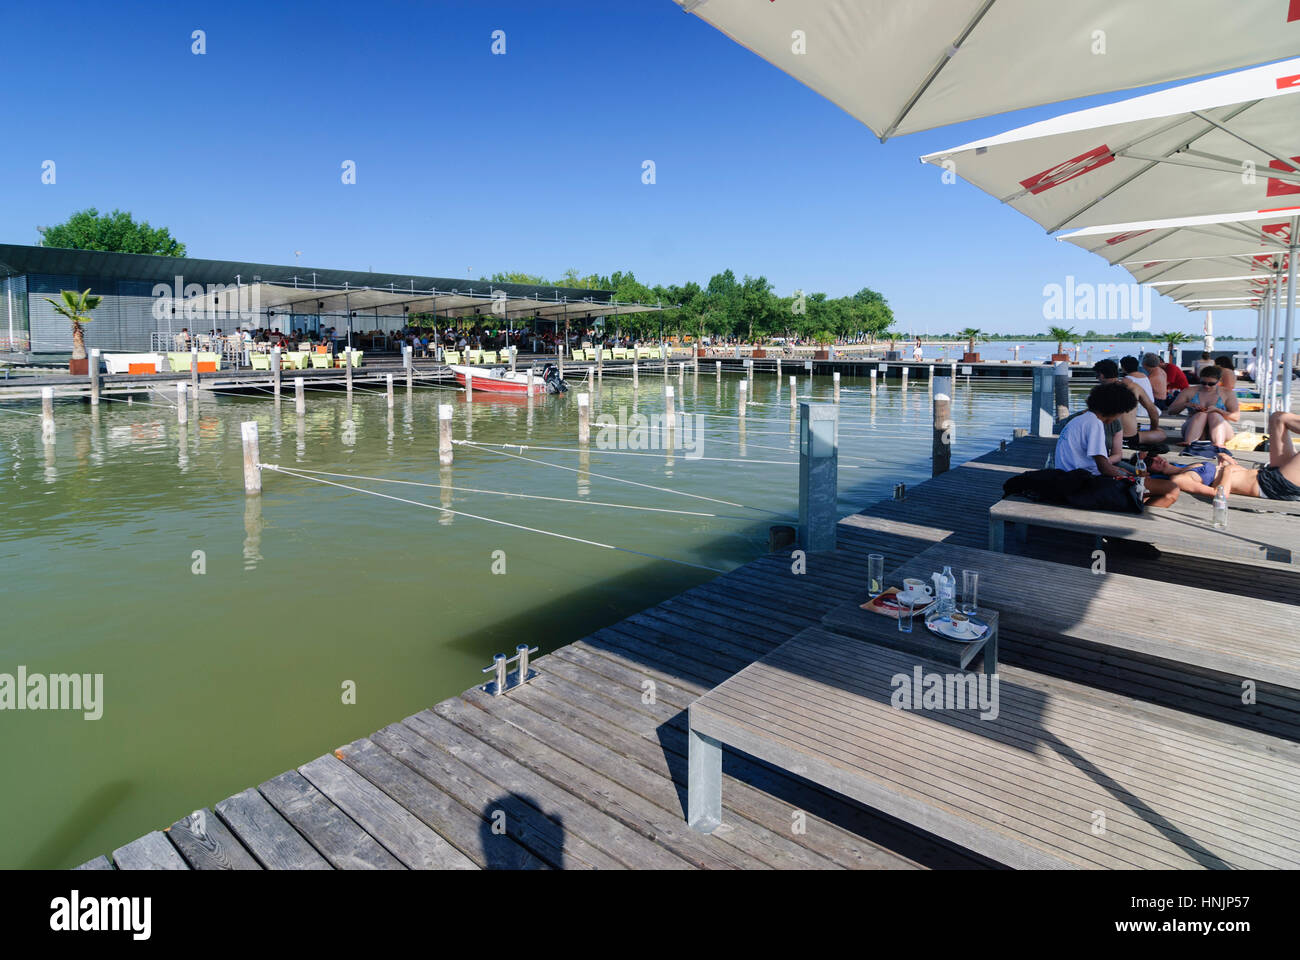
502, 380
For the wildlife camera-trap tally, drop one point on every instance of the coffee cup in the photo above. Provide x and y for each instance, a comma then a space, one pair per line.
915, 590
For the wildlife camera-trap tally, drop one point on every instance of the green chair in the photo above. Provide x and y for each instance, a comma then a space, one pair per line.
489, 356
474, 356
356, 357
178, 362
579, 354
261, 361
320, 361
607, 354
451, 356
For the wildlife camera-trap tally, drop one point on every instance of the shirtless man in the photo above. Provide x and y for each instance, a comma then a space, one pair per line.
1212, 409
1159, 381
1108, 372
1280, 480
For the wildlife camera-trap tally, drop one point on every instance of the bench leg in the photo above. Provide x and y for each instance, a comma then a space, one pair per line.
1021, 533
997, 535
991, 655
703, 782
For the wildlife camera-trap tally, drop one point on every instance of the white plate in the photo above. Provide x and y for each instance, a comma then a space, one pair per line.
943, 627
918, 600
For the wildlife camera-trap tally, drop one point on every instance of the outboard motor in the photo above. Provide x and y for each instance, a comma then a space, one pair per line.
551, 377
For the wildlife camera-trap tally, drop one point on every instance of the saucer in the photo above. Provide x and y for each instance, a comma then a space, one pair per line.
944, 627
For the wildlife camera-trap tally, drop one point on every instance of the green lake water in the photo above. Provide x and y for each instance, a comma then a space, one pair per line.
214, 682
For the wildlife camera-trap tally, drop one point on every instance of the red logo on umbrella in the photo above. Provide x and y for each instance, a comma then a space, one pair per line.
1122, 237
1067, 171
1276, 187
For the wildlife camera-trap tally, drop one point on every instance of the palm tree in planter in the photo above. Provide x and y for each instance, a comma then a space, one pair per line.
1061, 335
76, 307
1172, 340
971, 336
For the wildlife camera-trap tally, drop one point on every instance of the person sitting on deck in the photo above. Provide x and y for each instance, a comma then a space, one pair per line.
1213, 410
1108, 372
1159, 380
1205, 360
1279, 480
1227, 371
1082, 441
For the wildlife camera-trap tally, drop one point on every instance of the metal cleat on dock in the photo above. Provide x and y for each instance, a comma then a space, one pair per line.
509, 680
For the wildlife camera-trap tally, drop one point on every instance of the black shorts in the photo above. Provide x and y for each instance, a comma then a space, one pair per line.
1274, 486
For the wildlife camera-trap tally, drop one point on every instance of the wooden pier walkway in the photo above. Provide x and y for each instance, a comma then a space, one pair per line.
585, 767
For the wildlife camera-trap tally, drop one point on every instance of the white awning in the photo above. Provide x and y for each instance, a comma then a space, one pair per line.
1211, 147
1251, 233
901, 66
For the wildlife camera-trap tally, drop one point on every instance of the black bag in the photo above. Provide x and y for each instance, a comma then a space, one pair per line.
1076, 488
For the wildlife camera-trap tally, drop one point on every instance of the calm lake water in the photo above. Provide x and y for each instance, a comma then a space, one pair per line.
214, 682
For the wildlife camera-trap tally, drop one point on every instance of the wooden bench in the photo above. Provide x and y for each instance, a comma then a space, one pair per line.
1271, 540
1054, 780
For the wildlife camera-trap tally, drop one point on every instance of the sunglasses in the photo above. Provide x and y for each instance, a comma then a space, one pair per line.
1209, 383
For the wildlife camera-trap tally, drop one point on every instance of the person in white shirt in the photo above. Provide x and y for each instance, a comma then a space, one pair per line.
1082, 443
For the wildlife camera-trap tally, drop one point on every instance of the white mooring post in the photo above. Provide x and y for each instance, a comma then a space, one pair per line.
835, 378
390, 391
347, 366
681, 373
94, 377
444, 433
584, 418
299, 398
818, 475
1043, 402
530, 381
408, 362
513, 352
469, 384
670, 406
252, 459
742, 393
793, 391
275, 371
905, 378
717, 368
47, 411
778, 370
182, 408
873, 381
194, 370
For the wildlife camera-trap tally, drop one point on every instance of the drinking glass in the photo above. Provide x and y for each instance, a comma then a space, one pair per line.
876, 572
905, 616
970, 582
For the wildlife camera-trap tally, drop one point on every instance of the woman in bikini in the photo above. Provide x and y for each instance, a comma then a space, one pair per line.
1211, 409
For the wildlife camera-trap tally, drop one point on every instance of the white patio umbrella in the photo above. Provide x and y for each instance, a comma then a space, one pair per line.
1265, 241
1214, 146
1207, 331
901, 66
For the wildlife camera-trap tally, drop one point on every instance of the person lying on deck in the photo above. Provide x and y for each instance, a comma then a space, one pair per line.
1280, 480
1107, 371
1082, 441
1211, 409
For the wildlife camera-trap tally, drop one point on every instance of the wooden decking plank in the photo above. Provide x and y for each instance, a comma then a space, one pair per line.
603, 753
272, 841
615, 800
99, 863
462, 828
574, 811
150, 852
400, 832
523, 822
331, 831
206, 844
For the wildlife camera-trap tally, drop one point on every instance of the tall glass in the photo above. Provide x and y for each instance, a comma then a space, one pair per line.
876, 572
905, 609
970, 583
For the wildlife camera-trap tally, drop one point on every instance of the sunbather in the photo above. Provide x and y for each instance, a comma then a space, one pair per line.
1280, 480
1212, 410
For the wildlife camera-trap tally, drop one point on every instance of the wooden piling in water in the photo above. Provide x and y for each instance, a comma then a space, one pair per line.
194, 371
742, 393
347, 366
873, 382
793, 390
252, 459
444, 433
299, 398
584, 418
835, 378
275, 371
636, 374
95, 377
717, 368
182, 408
513, 351
469, 384
670, 407
681, 373
905, 378
941, 444
408, 360
390, 391
47, 412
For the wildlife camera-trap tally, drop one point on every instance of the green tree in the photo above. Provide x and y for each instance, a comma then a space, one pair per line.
117, 232
1171, 340
76, 307
1060, 335
970, 335
515, 276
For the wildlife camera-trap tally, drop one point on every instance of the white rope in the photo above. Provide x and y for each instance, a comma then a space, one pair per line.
635, 483
525, 496
504, 523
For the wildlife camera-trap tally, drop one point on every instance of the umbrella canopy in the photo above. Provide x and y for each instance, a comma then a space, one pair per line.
1233, 238
900, 67
1214, 146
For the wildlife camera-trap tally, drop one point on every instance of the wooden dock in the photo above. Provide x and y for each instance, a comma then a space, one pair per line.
585, 767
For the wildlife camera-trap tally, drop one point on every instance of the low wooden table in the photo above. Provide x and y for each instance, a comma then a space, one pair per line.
851, 620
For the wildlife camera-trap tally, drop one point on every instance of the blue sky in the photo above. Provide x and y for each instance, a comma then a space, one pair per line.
469, 163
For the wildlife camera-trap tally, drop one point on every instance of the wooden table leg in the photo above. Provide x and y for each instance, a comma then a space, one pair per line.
703, 782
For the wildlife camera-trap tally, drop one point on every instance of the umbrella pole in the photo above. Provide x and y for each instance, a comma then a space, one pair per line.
1288, 357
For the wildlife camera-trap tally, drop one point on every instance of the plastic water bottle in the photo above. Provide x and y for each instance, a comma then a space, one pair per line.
1220, 509
947, 593
1050, 463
